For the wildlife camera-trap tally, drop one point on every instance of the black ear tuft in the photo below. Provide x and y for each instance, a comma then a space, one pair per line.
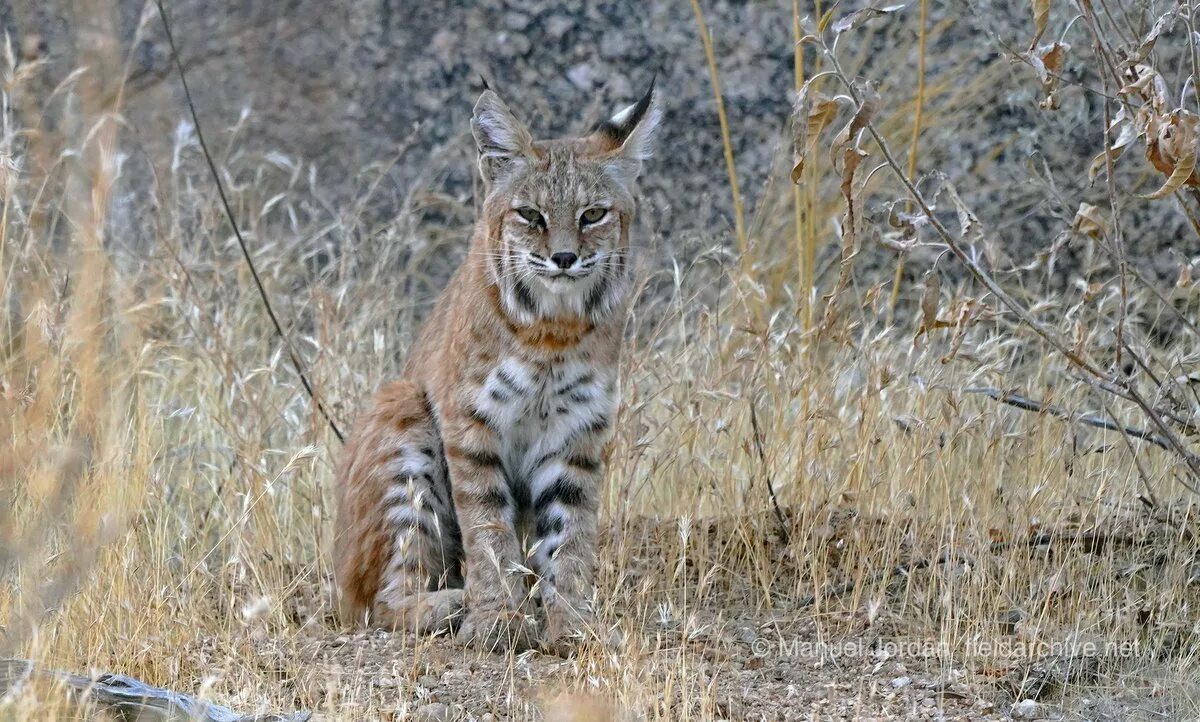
618, 127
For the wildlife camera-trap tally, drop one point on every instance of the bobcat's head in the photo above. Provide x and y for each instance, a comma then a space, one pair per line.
557, 213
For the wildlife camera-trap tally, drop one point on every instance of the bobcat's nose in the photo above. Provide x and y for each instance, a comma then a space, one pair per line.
564, 259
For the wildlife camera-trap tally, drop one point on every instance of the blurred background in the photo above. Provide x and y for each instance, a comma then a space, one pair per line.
377, 95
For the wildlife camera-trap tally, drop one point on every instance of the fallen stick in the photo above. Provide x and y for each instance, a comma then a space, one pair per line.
1091, 541
1099, 422
130, 698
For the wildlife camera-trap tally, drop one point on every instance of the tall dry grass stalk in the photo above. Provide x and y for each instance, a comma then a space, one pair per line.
913, 155
726, 142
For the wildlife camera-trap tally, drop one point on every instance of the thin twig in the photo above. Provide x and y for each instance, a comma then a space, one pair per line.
762, 459
262, 291
1099, 422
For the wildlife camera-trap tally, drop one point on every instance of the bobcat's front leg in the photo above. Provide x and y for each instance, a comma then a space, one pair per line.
566, 500
495, 586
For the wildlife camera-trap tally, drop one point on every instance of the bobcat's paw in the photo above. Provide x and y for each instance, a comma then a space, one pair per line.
427, 612
497, 630
567, 630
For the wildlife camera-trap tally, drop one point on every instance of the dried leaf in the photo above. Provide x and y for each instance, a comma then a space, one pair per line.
1164, 24
1052, 58
1185, 276
1145, 81
1041, 17
1090, 221
929, 300
851, 158
903, 236
1048, 62
1098, 163
869, 104
1130, 130
1182, 174
812, 113
824, 23
968, 223
1171, 149
858, 17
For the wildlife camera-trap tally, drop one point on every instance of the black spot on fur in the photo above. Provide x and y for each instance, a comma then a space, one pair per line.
508, 382
564, 491
597, 296
586, 463
601, 423
520, 494
495, 499
427, 405
547, 525
477, 416
479, 458
568, 387
524, 296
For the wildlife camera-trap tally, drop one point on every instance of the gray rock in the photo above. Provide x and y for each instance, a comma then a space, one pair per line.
517, 21
342, 84
582, 76
557, 26
434, 712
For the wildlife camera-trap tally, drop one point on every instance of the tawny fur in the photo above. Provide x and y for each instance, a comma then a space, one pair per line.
486, 458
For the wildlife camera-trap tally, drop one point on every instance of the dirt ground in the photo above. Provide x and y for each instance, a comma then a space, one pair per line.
754, 666
677, 649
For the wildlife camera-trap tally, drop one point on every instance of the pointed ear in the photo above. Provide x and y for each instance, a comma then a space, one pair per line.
630, 135
502, 140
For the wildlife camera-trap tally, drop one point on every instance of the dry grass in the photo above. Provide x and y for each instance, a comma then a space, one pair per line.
165, 482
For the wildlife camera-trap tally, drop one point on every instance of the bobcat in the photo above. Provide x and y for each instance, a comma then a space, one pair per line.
488, 452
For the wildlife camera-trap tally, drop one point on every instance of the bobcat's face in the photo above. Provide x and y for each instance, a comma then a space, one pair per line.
564, 223
558, 212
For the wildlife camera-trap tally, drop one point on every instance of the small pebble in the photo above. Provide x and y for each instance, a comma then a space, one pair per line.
435, 712
1025, 709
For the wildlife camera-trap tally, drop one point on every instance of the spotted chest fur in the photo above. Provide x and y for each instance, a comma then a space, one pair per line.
541, 410
550, 420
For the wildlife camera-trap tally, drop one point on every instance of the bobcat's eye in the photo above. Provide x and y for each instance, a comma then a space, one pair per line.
592, 215
531, 215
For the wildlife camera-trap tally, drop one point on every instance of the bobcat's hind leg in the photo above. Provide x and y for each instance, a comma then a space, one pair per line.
397, 537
